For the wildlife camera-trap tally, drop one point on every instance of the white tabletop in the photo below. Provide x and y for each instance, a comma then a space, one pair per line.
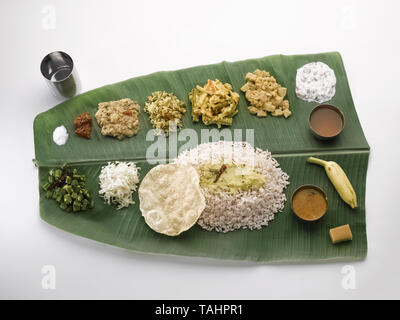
115, 40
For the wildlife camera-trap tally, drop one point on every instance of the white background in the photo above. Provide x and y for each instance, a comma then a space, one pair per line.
112, 41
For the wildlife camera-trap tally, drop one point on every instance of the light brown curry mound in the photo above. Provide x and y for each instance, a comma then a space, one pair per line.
118, 119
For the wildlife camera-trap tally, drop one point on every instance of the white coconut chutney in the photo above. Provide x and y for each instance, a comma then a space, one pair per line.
316, 82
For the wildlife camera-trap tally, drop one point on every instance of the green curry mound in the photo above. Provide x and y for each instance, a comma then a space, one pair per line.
230, 177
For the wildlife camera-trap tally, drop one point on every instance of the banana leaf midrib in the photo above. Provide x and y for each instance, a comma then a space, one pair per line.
140, 159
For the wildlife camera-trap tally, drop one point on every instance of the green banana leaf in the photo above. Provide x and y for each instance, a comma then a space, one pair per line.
286, 239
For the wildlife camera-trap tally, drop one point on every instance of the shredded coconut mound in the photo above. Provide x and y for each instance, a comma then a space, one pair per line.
245, 209
118, 180
316, 82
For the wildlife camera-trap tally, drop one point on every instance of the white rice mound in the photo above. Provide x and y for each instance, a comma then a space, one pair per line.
245, 209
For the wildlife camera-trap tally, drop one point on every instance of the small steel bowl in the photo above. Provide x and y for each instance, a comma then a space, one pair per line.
309, 186
328, 106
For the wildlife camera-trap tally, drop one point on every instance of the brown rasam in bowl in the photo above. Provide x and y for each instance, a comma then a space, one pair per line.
326, 121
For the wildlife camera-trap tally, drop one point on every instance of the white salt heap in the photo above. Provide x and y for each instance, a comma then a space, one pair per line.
60, 135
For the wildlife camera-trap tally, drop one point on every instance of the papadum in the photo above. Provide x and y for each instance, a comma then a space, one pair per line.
170, 197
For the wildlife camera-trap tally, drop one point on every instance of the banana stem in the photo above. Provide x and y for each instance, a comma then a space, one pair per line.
316, 161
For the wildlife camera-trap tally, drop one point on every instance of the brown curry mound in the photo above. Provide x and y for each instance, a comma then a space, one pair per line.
83, 124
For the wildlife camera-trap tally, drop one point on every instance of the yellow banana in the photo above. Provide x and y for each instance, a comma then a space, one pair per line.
339, 180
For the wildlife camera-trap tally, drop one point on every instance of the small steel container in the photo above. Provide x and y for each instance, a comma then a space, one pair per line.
60, 74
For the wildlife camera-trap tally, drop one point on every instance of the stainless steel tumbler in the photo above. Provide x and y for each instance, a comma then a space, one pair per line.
59, 71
